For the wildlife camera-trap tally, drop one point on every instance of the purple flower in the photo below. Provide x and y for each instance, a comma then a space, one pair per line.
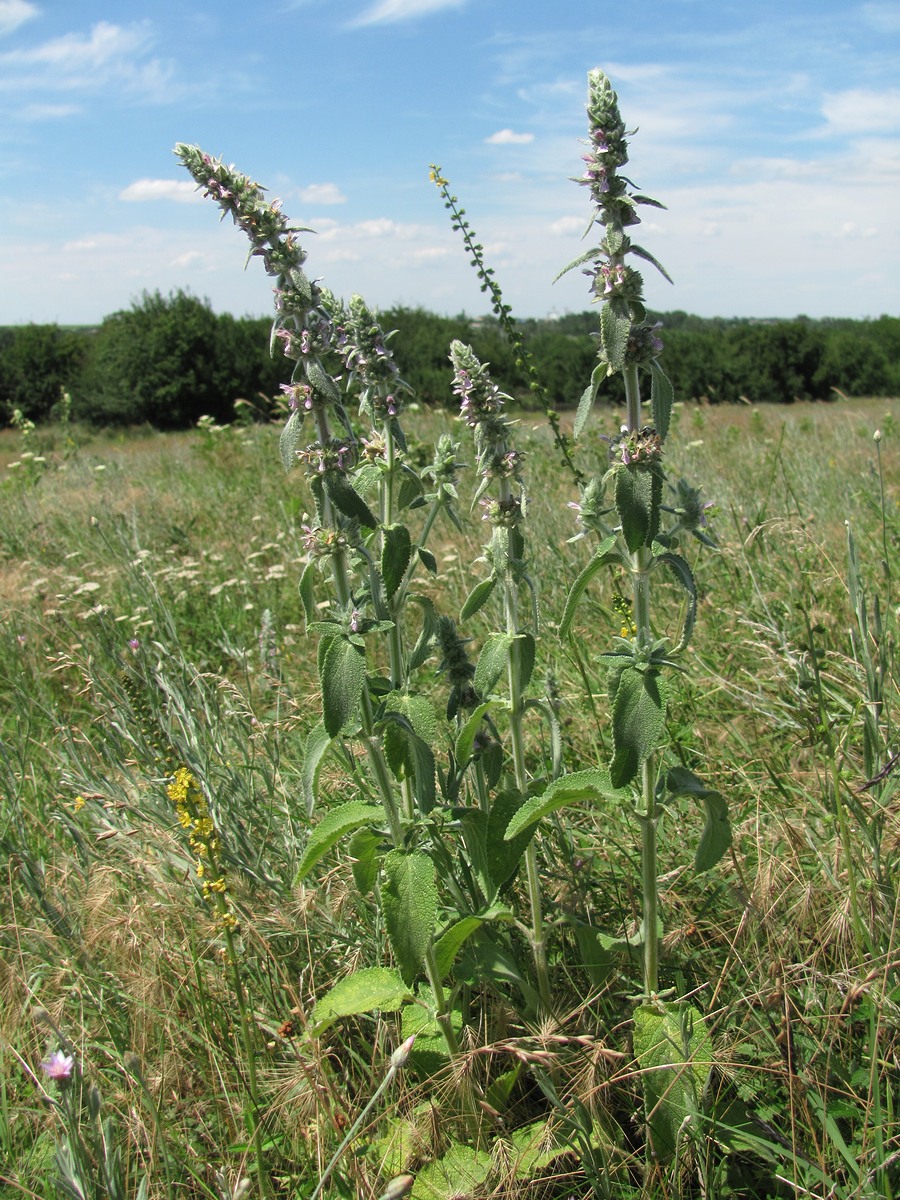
59, 1066
134, 645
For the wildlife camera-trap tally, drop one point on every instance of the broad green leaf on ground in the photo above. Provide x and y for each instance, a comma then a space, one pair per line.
369, 990
673, 1049
459, 1175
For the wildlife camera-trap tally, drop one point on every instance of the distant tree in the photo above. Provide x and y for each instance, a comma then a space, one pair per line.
422, 347
154, 363
38, 362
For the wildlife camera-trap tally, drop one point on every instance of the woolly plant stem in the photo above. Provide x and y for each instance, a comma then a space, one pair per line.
641, 561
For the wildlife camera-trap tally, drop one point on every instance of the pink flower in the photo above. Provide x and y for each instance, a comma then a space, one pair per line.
59, 1066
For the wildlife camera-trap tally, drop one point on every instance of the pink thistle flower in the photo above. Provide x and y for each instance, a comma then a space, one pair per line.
59, 1066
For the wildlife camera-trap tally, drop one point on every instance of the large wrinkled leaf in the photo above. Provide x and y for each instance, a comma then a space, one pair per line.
342, 674
638, 718
368, 990
409, 902
333, 826
673, 1049
576, 788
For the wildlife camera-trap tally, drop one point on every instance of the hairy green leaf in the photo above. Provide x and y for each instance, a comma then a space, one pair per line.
317, 743
409, 902
466, 740
363, 848
346, 498
477, 598
716, 836
586, 403
396, 553
638, 497
662, 397
579, 786
368, 990
333, 826
600, 558
638, 719
342, 675
492, 661
290, 439
614, 332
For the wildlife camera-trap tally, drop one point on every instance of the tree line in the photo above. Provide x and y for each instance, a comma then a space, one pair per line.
168, 360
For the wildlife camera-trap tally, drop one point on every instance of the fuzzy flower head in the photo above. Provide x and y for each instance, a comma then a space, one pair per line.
245, 202
362, 344
607, 152
481, 405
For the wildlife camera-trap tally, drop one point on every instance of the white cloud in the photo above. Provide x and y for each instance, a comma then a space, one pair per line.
180, 190
47, 112
322, 193
390, 11
861, 110
108, 55
508, 137
566, 226
14, 13
76, 52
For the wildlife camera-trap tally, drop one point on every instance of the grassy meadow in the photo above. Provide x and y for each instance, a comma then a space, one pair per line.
151, 619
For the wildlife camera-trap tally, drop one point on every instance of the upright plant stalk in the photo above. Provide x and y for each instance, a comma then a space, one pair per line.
192, 810
481, 406
503, 313
638, 545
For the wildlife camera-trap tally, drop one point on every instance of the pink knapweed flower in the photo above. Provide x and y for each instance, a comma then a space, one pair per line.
59, 1066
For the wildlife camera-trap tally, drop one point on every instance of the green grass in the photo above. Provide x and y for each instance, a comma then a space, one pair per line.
151, 618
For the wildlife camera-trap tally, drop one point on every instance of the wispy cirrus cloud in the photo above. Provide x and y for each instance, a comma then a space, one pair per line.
182, 191
89, 62
385, 12
14, 13
509, 137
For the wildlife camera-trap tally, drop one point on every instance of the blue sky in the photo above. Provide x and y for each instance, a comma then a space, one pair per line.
771, 131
